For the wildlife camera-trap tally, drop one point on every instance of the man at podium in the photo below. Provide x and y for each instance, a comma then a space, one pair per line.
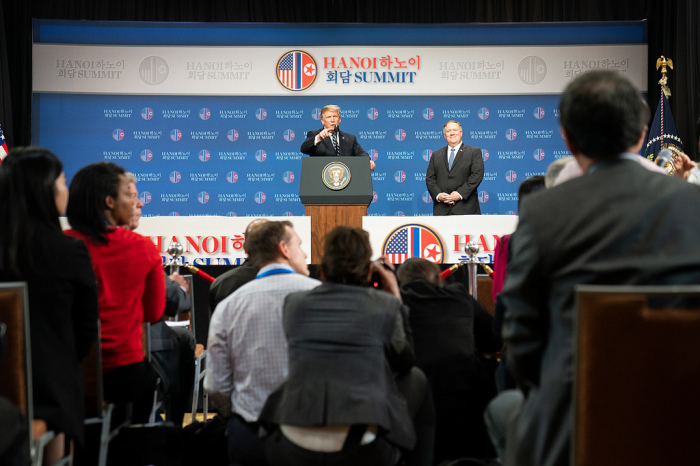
329, 141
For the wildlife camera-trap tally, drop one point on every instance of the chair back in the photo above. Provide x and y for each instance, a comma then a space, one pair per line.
637, 375
92, 380
16, 365
484, 285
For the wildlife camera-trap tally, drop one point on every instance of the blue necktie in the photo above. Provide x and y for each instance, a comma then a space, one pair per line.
452, 158
335, 143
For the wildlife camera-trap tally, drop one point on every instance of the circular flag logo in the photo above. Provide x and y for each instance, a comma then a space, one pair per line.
428, 113
204, 113
176, 135
511, 212
316, 113
538, 113
511, 176
373, 154
336, 176
400, 176
426, 197
538, 155
145, 197
372, 113
511, 134
399, 213
146, 155
260, 197
232, 177
174, 214
483, 197
261, 114
118, 134
204, 155
375, 197
147, 113
483, 113
232, 135
260, 155
175, 177
400, 135
427, 153
296, 70
203, 197
484, 154
413, 240
288, 177
231, 214
289, 135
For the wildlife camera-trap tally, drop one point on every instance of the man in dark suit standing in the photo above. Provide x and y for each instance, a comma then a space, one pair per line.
329, 141
613, 225
454, 173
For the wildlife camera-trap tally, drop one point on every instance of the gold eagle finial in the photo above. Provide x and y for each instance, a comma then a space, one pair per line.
662, 63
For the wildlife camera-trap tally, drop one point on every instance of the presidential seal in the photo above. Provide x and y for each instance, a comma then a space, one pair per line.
336, 176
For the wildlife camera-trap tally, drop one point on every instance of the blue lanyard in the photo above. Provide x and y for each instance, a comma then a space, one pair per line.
267, 273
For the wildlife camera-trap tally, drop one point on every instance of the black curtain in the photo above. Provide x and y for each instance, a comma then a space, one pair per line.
672, 32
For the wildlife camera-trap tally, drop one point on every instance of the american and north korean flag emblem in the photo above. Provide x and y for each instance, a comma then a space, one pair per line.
413, 240
296, 70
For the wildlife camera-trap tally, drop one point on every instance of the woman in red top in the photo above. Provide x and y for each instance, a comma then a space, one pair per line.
130, 280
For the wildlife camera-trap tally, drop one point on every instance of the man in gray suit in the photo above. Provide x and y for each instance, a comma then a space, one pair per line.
454, 173
618, 223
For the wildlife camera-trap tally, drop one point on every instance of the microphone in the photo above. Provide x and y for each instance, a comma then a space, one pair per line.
664, 157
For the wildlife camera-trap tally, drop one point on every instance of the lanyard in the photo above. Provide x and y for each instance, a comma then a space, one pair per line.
267, 273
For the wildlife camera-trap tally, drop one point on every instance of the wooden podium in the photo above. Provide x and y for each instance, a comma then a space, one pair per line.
329, 208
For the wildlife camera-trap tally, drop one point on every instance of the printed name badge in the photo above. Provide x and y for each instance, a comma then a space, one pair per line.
336, 176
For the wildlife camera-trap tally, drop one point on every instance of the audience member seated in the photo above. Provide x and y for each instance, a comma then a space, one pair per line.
451, 332
230, 281
247, 351
174, 362
130, 280
352, 396
61, 287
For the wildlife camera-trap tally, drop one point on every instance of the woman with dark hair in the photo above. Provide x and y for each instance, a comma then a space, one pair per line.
61, 287
130, 277
342, 403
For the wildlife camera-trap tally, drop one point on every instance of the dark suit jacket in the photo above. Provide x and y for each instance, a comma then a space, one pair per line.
349, 146
621, 224
344, 343
63, 327
228, 282
465, 176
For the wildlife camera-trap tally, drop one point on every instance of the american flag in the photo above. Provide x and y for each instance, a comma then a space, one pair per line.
3, 145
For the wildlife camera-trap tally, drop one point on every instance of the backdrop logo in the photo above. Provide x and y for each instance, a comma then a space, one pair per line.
146, 155
261, 114
204, 155
511, 134
118, 134
511, 176
532, 70
204, 113
511, 212
288, 177
147, 113
296, 70
231, 214
413, 240
483, 197
145, 197
174, 214
153, 70
375, 197
483, 113
175, 177
316, 114
427, 153
203, 197
538, 113
373, 154
399, 213
260, 197
260, 155
289, 135
232, 135
400, 135
538, 155
400, 176
428, 113
485, 154
372, 113
176, 135
336, 176
426, 197
232, 177
287, 214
